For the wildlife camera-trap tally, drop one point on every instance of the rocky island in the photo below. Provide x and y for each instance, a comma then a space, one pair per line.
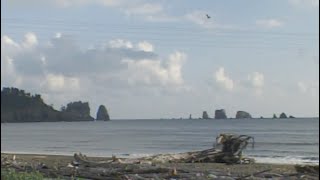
103, 114
19, 106
220, 114
243, 115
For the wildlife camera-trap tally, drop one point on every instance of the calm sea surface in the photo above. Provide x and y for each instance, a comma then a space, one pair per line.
277, 140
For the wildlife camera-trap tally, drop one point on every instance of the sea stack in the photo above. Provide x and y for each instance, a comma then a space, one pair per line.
283, 115
243, 115
102, 114
220, 114
205, 115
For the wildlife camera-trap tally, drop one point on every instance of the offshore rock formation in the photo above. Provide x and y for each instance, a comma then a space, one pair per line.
274, 116
205, 115
102, 114
220, 114
243, 115
19, 106
79, 110
283, 116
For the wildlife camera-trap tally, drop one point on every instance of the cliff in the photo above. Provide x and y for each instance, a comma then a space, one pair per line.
19, 106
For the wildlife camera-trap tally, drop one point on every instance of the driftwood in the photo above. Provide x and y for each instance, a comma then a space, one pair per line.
231, 153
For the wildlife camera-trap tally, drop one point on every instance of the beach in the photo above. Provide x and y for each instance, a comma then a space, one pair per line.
55, 166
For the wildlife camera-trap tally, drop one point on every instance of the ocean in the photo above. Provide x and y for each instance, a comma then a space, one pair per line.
283, 141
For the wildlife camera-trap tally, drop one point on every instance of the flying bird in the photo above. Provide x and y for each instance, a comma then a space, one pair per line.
208, 16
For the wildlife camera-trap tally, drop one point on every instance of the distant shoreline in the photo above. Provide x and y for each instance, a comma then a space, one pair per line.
161, 119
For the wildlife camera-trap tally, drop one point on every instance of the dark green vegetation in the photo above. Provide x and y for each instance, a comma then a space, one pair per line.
11, 174
19, 106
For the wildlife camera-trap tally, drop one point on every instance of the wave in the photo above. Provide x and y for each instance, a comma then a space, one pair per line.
288, 144
286, 160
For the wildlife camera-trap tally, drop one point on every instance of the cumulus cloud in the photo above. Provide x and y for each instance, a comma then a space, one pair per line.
30, 40
59, 82
145, 46
156, 72
256, 79
269, 23
222, 79
120, 43
61, 65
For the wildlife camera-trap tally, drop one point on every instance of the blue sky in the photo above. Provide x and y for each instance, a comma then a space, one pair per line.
163, 59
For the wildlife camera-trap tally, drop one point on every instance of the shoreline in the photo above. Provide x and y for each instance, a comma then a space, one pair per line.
193, 169
128, 156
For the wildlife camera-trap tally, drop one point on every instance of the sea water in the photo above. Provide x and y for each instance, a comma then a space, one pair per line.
285, 141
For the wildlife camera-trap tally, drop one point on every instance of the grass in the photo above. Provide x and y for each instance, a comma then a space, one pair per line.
9, 174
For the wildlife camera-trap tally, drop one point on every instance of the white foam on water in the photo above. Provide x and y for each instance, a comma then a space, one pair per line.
285, 160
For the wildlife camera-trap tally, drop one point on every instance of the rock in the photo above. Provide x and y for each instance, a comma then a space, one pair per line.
283, 116
80, 110
274, 116
243, 115
205, 115
102, 114
220, 114
291, 117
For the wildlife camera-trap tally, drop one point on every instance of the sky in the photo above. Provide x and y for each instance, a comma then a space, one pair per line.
165, 58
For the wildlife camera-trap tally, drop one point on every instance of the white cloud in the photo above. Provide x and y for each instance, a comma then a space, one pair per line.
145, 46
155, 72
30, 40
58, 35
269, 23
256, 79
62, 65
222, 79
120, 43
6, 41
59, 82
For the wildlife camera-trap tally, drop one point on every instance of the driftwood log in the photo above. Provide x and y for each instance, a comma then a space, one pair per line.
231, 153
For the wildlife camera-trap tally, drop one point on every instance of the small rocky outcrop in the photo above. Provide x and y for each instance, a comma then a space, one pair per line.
243, 115
291, 117
274, 116
220, 114
205, 115
283, 115
102, 114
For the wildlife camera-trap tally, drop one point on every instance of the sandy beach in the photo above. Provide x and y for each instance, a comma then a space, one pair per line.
183, 170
